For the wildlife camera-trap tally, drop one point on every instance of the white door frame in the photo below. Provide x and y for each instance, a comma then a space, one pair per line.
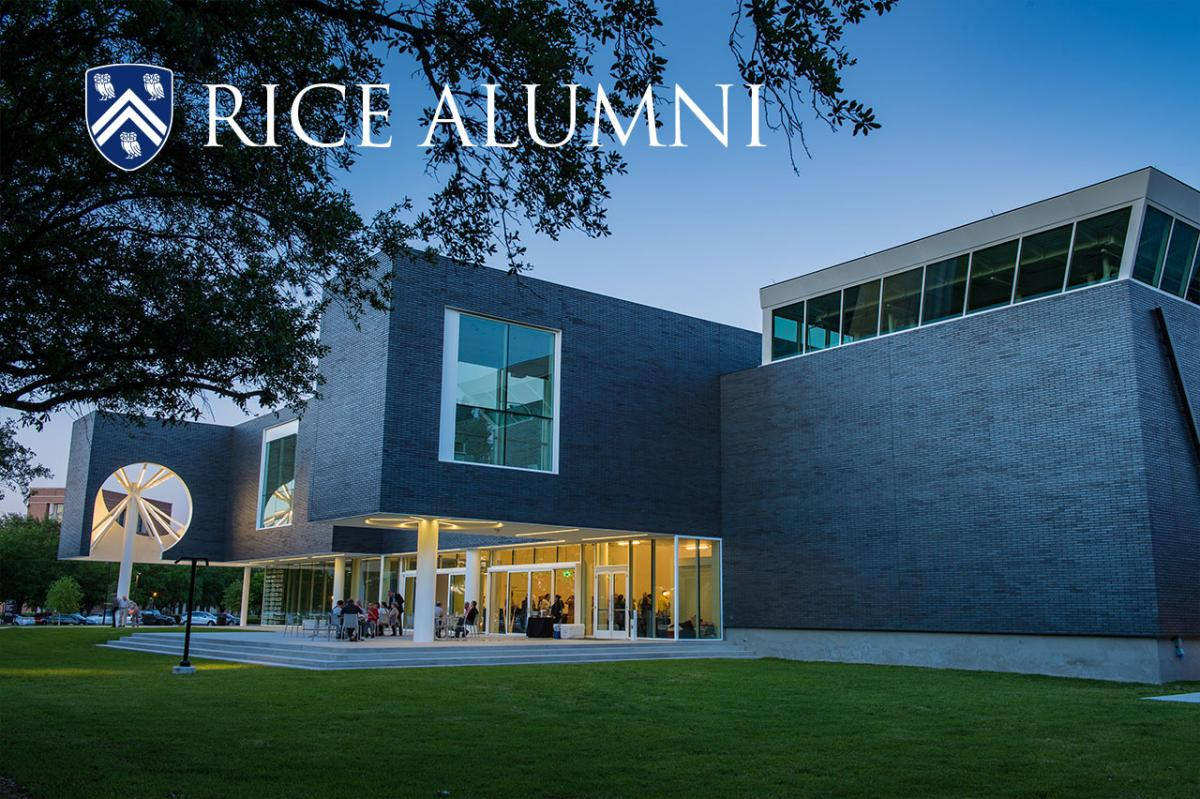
528, 569
609, 573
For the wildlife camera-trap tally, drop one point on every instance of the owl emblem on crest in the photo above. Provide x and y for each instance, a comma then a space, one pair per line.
103, 84
129, 143
153, 83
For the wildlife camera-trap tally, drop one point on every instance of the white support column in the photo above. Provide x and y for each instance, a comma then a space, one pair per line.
339, 578
382, 579
471, 588
245, 614
131, 523
427, 546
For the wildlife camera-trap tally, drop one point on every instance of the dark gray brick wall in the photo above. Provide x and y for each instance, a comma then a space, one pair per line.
640, 413
198, 453
1172, 476
985, 475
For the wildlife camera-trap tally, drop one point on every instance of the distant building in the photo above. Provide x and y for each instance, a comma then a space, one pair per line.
46, 503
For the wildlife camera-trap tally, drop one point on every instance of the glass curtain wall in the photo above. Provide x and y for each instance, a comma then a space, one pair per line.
699, 588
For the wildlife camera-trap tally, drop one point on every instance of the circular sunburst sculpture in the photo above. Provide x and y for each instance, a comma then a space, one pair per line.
141, 511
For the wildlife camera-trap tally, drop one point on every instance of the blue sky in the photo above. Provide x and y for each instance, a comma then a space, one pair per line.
986, 105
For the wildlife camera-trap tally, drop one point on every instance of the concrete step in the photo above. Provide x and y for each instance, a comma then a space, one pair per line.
233, 641
225, 647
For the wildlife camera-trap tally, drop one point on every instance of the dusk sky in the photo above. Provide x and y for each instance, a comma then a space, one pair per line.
985, 106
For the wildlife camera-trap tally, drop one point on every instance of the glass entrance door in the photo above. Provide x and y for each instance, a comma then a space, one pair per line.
610, 603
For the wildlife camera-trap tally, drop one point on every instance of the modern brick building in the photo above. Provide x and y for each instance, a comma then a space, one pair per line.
977, 449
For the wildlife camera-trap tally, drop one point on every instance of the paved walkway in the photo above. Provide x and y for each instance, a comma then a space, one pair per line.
1192, 698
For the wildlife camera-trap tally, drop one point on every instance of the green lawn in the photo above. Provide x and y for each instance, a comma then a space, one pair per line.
79, 721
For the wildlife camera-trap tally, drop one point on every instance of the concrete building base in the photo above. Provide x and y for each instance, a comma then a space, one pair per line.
1146, 660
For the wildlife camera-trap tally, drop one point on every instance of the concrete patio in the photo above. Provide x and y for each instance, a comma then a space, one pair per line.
270, 648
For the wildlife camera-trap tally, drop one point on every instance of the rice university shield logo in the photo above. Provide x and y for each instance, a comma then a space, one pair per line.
129, 111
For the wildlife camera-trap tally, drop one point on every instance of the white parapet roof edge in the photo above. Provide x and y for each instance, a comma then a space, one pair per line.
1106, 195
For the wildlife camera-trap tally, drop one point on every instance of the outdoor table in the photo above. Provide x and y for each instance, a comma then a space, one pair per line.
540, 627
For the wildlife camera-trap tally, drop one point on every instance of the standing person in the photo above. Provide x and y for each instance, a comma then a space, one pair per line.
556, 610
400, 614
393, 618
439, 614
122, 610
335, 617
135, 615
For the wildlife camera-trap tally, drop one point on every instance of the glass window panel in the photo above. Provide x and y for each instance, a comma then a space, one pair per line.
992, 272
564, 589
481, 355
545, 554
518, 601
860, 312
1152, 247
522, 555
1043, 266
541, 599
641, 589
689, 589
527, 441
901, 301
278, 482
1193, 291
458, 589
568, 552
786, 324
945, 289
498, 619
1099, 243
478, 435
824, 317
530, 387
709, 565
1180, 254
502, 557
664, 586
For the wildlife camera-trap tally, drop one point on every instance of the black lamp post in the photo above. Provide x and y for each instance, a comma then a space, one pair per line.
185, 666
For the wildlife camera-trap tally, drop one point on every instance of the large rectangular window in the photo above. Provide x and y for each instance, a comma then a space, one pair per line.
992, 272
504, 394
860, 312
277, 475
945, 289
1043, 268
786, 324
824, 322
1099, 244
1152, 246
1177, 265
901, 301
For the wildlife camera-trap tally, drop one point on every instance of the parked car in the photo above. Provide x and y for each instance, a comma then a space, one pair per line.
154, 617
232, 619
96, 618
65, 618
24, 621
203, 617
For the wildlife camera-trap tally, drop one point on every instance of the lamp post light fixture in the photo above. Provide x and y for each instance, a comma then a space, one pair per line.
185, 666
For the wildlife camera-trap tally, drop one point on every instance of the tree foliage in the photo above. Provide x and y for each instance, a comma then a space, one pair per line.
207, 272
17, 466
64, 595
29, 565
